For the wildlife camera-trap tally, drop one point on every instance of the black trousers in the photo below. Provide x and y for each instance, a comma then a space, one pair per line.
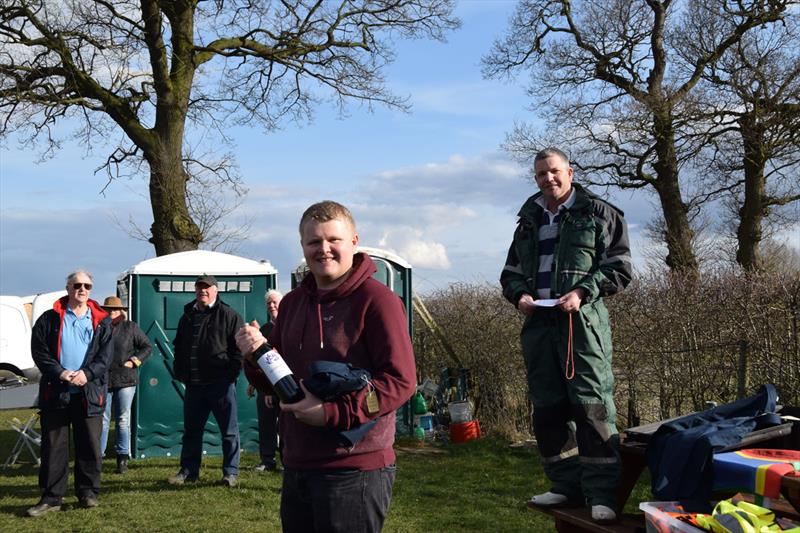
267, 429
54, 470
335, 501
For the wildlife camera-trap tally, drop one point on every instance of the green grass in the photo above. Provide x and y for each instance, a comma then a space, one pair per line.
476, 486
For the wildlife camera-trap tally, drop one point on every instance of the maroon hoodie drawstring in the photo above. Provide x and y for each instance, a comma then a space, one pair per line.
319, 320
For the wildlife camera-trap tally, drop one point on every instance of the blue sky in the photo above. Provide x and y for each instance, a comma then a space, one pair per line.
432, 186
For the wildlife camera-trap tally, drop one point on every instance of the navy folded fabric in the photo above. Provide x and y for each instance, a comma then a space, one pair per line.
680, 453
331, 379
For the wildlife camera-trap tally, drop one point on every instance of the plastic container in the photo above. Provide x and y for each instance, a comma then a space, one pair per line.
424, 421
664, 517
418, 404
460, 411
428, 388
465, 431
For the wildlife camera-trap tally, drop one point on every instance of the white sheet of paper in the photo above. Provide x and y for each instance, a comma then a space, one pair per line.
546, 303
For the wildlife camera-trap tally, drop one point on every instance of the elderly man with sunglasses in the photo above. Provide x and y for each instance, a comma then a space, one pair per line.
71, 346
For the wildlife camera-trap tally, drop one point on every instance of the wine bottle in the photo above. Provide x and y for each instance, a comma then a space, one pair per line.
278, 374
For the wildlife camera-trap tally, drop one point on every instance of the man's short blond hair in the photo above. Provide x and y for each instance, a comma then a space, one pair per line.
326, 211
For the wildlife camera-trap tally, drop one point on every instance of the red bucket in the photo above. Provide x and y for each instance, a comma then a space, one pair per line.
464, 431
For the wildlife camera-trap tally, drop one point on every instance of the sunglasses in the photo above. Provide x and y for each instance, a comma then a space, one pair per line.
77, 286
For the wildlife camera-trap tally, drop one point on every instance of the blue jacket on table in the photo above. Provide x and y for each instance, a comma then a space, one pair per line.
680, 452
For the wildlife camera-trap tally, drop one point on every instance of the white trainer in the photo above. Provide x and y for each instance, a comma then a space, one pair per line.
548, 499
602, 514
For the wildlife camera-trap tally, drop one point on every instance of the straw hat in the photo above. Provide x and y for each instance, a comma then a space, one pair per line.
112, 302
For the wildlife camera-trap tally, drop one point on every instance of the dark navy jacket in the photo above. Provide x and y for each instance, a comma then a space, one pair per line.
330, 379
680, 452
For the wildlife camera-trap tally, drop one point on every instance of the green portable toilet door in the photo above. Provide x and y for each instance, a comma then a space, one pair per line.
158, 307
399, 280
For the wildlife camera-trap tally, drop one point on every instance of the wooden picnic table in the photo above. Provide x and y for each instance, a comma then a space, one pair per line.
633, 444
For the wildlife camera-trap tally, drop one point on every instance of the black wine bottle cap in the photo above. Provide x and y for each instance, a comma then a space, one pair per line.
261, 350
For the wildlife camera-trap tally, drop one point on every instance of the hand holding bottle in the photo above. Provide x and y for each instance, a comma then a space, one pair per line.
249, 338
278, 373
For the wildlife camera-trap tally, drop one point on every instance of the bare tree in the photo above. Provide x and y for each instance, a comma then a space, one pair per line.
159, 70
751, 103
614, 88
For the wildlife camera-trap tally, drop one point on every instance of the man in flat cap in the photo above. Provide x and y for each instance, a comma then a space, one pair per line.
208, 362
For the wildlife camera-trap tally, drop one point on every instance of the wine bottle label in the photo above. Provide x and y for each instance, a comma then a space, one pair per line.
273, 366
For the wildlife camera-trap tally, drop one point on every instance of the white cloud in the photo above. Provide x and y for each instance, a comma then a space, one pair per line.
40, 247
407, 243
790, 235
490, 178
451, 219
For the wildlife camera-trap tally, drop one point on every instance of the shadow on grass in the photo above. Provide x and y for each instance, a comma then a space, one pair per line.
19, 469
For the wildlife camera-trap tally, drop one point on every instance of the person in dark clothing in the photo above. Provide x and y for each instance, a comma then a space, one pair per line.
71, 346
339, 313
208, 362
131, 348
570, 251
266, 403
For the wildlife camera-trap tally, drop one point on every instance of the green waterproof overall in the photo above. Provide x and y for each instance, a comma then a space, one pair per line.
574, 414
573, 419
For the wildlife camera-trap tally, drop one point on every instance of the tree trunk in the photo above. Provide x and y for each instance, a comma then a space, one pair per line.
173, 229
678, 234
752, 211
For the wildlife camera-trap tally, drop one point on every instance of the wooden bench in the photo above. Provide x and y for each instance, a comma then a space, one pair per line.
579, 520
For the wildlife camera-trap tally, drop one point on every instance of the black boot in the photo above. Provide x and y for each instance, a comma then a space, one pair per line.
122, 464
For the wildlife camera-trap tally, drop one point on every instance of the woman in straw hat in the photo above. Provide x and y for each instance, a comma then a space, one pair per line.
131, 348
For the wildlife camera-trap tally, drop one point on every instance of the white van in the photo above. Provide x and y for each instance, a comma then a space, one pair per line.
15, 338
17, 314
43, 302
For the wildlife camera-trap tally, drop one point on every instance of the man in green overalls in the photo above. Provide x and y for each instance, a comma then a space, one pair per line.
570, 250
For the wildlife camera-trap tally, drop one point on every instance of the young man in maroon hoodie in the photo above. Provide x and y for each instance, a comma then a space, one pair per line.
339, 313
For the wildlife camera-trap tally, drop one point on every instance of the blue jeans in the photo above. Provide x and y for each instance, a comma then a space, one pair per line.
199, 401
336, 501
122, 400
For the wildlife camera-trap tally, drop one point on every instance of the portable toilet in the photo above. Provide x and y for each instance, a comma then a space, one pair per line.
156, 290
394, 272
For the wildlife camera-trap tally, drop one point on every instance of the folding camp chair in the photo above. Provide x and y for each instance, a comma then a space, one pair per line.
29, 438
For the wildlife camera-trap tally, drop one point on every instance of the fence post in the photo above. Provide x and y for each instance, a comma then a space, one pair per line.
633, 416
741, 388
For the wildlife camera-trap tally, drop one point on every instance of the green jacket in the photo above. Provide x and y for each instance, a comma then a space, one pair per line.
592, 251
